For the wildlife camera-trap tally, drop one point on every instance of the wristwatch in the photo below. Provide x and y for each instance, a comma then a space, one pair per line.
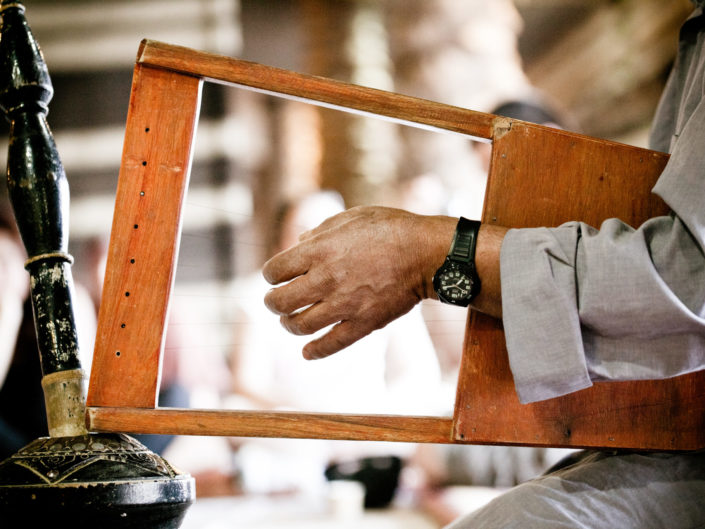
456, 281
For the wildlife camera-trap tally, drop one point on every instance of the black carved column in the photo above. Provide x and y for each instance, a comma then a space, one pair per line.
71, 478
39, 194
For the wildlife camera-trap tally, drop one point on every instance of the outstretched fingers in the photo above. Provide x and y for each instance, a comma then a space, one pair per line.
291, 297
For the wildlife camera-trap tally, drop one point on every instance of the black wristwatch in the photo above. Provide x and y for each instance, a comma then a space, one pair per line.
456, 281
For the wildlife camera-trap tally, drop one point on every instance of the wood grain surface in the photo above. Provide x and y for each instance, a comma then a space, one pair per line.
145, 238
318, 90
396, 428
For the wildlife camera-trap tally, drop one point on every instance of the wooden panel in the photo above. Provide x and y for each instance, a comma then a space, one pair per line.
541, 177
327, 92
145, 238
271, 424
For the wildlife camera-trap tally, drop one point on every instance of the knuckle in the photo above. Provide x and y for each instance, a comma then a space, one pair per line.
297, 324
339, 342
303, 326
287, 324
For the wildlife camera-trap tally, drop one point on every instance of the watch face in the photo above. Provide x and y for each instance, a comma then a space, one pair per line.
454, 285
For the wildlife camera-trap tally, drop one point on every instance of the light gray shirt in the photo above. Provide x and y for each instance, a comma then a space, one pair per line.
583, 304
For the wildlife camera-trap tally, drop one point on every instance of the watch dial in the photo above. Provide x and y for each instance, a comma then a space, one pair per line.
455, 285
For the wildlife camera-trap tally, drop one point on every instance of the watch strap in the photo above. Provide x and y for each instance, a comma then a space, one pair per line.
464, 241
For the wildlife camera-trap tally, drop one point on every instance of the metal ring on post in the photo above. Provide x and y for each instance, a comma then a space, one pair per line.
62, 256
18, 5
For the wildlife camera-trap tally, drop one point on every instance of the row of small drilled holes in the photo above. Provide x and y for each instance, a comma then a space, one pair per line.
132, 261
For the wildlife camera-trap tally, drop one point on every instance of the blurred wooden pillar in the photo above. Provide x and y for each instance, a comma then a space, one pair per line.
459, 53
610, 70
348, 42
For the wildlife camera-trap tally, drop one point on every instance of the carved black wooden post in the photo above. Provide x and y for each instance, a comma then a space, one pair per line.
72, 478
39, 194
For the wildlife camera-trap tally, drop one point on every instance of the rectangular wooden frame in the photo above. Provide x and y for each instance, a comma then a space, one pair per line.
538, 176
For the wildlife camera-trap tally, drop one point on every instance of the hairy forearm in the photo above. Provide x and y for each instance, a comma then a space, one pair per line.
367, 266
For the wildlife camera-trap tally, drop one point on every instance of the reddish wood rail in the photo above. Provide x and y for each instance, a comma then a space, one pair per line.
539, 176
274, 424
145, 237
318, 90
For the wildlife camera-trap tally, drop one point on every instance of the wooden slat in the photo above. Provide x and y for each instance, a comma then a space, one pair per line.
403, 109
400, 428
541, 177
145, 236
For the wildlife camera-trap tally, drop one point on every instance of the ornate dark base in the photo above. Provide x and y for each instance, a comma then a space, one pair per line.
92, 481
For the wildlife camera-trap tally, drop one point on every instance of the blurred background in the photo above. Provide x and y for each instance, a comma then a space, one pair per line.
593, 66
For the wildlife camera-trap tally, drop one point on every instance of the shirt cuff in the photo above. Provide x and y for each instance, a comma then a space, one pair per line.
540, 312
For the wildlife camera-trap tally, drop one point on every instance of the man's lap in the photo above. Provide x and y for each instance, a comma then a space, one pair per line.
604, 489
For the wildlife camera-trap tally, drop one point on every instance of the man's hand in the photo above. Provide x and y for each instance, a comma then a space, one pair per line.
358, 270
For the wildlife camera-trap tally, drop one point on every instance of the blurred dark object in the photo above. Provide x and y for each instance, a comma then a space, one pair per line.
21, 424
533, 112
379, 475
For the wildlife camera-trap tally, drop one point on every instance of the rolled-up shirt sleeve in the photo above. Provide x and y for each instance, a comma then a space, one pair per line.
582, 304
615, 303
539, 311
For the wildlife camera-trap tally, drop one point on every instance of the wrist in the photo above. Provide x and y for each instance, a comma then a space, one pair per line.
437, 236
487, 255
437, 239
456, 281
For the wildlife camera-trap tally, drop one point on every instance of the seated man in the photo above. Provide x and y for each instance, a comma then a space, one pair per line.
578, 304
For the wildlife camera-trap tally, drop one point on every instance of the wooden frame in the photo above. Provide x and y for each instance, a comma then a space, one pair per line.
538, 176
